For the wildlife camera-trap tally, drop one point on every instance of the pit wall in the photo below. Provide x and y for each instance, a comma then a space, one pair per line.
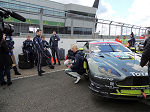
63, 43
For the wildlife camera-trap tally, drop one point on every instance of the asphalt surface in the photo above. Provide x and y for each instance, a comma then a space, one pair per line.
56, 92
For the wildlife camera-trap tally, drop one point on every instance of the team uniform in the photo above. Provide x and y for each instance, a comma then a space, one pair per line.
28, 50
47, 54
37, 41
77, 69
54, 47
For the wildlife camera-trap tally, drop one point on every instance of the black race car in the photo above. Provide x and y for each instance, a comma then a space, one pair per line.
114, 71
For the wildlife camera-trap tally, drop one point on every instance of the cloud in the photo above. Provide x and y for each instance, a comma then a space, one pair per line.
139, 13
105, 10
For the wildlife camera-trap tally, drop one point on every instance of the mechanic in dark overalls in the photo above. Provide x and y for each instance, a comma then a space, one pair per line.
76, 69
54, 46
10, 43
28, 49
145, 60
47, 54
37, 41
132, 40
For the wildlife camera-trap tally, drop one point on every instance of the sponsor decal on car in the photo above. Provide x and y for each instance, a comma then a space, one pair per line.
138, 74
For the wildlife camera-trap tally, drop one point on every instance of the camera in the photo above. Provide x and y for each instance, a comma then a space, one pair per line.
8, 28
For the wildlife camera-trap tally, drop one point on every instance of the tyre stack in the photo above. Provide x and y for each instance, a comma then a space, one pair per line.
62, 54
23, 64
44, 63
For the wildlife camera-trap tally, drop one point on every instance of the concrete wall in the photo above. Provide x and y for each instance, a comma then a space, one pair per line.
63, 43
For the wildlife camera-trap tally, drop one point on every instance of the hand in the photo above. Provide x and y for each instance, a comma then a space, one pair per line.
147, 63
70, 66
10, 54
45, 49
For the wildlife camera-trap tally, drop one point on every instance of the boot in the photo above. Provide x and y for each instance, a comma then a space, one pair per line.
77, 80
59, 63
54, 63
16, 71
9, 83
39, 73
51, 66
42, 71
3, 83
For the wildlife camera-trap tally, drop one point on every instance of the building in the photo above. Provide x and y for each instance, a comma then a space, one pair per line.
64, 18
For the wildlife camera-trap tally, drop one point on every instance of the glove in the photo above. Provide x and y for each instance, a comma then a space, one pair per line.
10, 54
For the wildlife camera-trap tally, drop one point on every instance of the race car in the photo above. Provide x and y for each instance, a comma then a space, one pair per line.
114, 71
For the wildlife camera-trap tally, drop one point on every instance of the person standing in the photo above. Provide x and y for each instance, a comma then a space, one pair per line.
146, 41
37, 41
54, 46
124, 41
5, 62
117, 39
10, 43
132, 40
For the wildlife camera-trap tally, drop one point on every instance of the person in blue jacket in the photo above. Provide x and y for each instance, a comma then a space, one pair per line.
28, 49
132, 40
47, 54
37, 41
10, 43
54, 46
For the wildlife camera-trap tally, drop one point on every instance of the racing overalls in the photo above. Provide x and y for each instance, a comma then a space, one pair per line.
47, 54
54, 47
37, 41
28, 50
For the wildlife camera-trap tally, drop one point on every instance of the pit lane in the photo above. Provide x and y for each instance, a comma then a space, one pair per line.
56, 92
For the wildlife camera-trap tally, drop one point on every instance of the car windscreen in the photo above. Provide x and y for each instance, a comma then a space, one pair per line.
108, 47
119, 48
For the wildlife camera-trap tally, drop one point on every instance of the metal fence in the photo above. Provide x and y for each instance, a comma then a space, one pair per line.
108, 28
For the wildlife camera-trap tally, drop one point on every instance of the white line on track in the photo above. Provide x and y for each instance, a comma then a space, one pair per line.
22, 77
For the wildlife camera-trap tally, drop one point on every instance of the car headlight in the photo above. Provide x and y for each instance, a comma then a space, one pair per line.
108, 71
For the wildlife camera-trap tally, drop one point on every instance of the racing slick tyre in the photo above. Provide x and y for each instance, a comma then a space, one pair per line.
44, 63
62, 54
25, 65
22, 57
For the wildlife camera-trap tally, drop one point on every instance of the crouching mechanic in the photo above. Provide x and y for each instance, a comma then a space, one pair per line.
28, 49
76, 69
70, 57
47, 54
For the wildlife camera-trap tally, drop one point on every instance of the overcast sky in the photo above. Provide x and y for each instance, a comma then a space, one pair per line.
128, 11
